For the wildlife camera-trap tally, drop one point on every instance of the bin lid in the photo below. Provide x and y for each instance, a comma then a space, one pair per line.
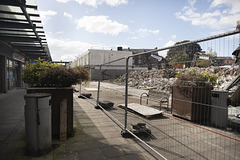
219, 91
37, 95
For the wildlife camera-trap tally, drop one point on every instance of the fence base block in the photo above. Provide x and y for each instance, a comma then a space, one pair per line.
126, 134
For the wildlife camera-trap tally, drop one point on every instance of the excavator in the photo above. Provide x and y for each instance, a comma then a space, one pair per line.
203, 56
158, 61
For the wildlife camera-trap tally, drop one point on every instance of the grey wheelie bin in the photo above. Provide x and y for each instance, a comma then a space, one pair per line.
38, 123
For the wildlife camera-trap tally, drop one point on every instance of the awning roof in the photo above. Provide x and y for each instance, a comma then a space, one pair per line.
21, 29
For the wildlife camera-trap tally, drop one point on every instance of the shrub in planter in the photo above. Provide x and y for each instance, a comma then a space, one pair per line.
193, 78
192, 94
62, 76
46, 77
32, 72
81, 74
46, 74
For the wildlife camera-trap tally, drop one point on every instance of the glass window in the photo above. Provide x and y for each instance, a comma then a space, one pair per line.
11, 74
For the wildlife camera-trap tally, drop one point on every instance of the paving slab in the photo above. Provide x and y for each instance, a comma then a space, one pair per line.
146, 111
91, 89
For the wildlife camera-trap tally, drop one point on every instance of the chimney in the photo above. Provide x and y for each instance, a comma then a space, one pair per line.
119, 48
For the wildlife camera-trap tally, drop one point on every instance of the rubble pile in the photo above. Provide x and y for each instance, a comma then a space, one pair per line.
225, 74
163, 79
156, 79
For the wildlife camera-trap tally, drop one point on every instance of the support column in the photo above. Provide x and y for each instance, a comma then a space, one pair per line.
19, 74
3, 74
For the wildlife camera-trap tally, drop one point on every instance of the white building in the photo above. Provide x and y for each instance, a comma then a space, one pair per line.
93, 58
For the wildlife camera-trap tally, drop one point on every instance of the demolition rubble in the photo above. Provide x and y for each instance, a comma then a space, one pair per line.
163, 79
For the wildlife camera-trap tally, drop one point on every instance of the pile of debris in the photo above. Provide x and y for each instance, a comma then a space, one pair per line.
163, 79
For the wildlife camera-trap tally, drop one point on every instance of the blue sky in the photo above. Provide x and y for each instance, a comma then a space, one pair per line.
74, 26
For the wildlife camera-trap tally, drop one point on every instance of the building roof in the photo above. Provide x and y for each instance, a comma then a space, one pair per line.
21, 29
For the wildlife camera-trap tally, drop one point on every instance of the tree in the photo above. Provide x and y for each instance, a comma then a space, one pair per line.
182, 54
178, 58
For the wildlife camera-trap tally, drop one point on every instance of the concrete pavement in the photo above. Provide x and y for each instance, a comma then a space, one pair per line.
95, 137
12, 133
173, 137
131, 90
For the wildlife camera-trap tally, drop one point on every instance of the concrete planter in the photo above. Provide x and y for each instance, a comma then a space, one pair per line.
57, 95
192, 103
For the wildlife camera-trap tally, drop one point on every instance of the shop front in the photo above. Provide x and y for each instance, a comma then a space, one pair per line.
11, 72
22, 38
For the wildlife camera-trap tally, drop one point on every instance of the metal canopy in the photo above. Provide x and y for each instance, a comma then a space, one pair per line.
21, 29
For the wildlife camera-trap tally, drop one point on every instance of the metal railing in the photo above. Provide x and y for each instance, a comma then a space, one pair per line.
186, 129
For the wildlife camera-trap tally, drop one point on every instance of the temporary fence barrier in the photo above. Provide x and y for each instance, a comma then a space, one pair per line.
203, 131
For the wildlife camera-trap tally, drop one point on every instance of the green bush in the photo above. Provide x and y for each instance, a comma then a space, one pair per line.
31, 74
209, 77
81, 74
194, 78
63, 77
46, 74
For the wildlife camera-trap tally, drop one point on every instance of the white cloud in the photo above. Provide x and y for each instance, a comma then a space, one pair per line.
191, 13
46, 15
63, 1
222, 14
164, 52
173, 36
101, 24
233, 4
124, 46
169, 43
132, 38
143, 32
65, 14
115, 2
66, 50
192, 2
95, 3
60, 32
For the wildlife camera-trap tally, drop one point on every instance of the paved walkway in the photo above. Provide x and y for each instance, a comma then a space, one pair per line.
173, 137
12, 131
96, 136
131, 90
